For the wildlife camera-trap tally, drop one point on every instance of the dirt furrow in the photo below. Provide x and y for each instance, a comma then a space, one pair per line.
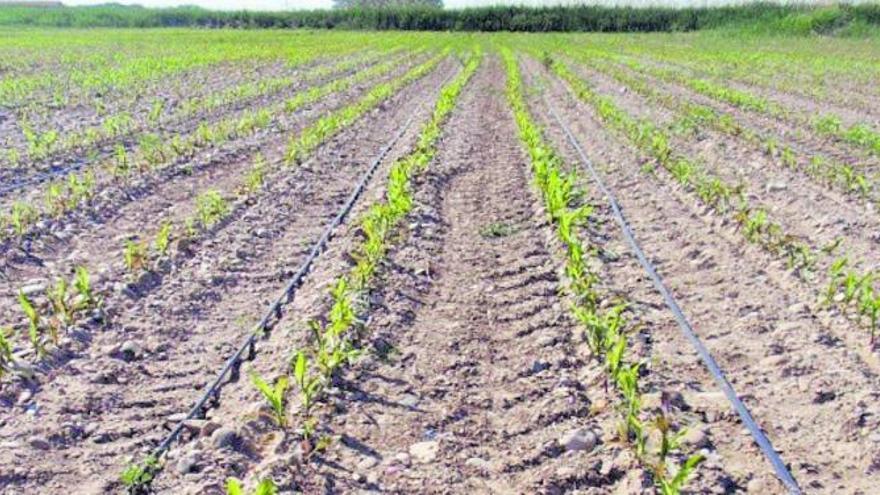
808, 210
136, 213
804, 387
100, 407
473, 379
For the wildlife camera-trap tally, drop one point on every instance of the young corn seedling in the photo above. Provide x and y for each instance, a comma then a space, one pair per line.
309, 385
211, 208
835, 273
34, 322
22, 217
61, 308
135, 255
274, 396
6, 358
755, 224
673, 486
83, 285
256, 177
163, 239
121, 163
136, 477
265, 487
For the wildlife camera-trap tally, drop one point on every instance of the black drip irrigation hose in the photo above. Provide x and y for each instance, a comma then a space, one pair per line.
761, 439
274, 313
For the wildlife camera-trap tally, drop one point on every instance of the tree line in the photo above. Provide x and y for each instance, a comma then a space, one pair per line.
417, 15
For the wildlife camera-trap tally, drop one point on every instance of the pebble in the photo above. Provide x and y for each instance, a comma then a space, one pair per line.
32, 289
776, 186
409, 400
131, 350
367, 463
188, 463
579, 439
756, 485
39, 443
403, 459
25, 397
424, 452
224, 438
696, 437
478, 463
539, 366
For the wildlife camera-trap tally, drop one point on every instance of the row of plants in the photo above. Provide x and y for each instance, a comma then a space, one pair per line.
48, 143
333, 340
834, 71
755, 223
825, 169
861, 135
848, 287
605, 326
212, 206
46, 318
155, 153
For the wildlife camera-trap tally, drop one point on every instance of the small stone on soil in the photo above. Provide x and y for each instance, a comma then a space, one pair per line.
424, 452
225, 438
579, 439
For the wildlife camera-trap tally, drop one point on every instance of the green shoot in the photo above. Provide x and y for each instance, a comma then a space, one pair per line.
34, 319
274, 396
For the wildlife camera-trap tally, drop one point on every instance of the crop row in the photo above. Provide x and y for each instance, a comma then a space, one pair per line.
336, 343
850, 178
605, 326
211, 207
48, 143
154, 153
861, 135
847, 286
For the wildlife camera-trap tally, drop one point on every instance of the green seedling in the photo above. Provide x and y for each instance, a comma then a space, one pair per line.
83, 286
265, 487
34, 322
309, 385
163, 239
274, 396
6, 358
211, 207
673, 486
136, 477
61, 308
135, 255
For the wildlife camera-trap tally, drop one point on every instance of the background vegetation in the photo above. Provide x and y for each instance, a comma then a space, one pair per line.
793, 19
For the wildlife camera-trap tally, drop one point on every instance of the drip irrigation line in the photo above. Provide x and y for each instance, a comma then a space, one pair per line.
760, 438
274, 312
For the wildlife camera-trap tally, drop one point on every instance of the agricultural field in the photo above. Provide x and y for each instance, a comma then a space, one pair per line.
294, 261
